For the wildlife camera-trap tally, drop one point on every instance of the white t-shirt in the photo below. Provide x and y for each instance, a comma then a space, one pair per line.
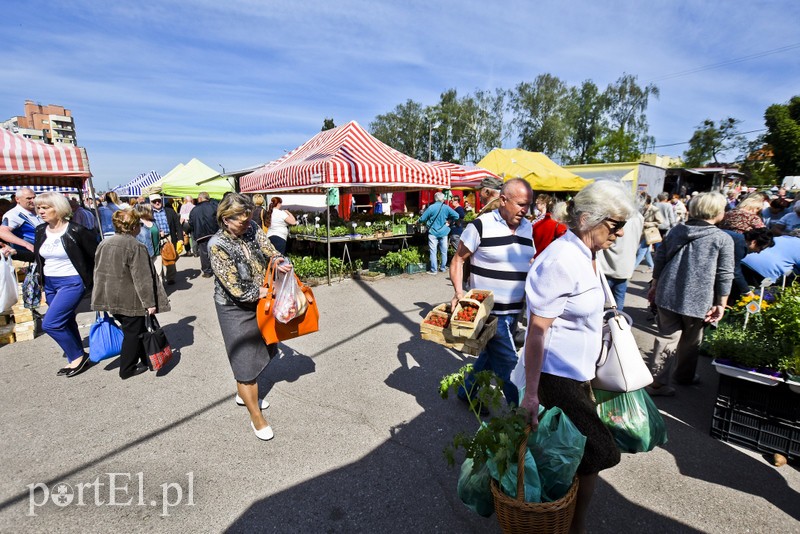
56, 261
277, 224
563, 285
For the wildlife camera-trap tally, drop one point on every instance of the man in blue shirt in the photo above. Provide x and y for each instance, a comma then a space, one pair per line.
19, 224
437, 218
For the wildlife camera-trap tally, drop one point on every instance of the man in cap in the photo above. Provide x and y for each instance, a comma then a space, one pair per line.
490, 194
169, 227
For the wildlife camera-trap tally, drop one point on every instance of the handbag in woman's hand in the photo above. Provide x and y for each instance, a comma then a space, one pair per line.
155, 344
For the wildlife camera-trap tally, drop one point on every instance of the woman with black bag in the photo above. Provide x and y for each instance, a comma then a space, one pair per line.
126, 285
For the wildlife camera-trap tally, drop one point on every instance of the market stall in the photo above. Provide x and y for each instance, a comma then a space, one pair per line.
534, 167
346, 159
191, 179
24, 162
135, 186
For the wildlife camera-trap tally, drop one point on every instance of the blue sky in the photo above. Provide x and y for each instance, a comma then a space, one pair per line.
236, 83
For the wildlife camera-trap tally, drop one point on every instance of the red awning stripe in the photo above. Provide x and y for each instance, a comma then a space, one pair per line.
463, 176
348, 157
21, 156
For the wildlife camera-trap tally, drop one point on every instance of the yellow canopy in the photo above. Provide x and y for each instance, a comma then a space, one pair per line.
534, 167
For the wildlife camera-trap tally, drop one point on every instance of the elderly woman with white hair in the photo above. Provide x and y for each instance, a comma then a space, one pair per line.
64, 253
691, 282
565, 309
437, 218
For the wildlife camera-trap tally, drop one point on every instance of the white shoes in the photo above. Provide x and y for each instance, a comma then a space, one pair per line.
265, 434
264, 402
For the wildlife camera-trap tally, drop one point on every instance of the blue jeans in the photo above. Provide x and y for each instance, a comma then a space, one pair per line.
618, 288
63, 294
499, 356
439, 243
644, 253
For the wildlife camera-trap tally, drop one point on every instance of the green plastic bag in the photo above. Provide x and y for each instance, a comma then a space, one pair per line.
633, 419
531, 483
474, 490
557, 448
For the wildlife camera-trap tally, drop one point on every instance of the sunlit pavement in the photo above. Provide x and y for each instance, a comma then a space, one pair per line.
359, 430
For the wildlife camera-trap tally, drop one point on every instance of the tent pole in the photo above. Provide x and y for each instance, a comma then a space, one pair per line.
328, 240
93, 196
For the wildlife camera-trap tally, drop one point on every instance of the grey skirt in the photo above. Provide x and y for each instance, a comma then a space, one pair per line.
247, 350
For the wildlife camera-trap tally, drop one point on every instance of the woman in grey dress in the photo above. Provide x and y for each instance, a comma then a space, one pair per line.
240, 253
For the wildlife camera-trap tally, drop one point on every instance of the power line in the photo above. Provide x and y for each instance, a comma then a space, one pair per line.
687, 142
726, 62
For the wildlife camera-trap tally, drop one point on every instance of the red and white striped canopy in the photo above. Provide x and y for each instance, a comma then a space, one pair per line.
464, 176
347, 157
34, 163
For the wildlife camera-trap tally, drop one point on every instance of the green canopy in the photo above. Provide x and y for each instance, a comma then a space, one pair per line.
193, 178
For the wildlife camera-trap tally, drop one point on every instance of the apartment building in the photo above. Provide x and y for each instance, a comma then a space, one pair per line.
51, 124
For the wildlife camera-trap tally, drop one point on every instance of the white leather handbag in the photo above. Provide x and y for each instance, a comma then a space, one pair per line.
620, 366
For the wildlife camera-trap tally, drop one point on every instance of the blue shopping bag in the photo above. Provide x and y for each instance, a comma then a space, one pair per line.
105, 338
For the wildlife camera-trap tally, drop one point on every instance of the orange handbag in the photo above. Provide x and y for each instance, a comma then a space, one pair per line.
273, 330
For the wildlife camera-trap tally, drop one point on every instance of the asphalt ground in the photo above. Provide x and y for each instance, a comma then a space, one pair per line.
359, 433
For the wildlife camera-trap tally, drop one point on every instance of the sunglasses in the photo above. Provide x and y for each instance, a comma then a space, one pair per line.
616, 225
156, 201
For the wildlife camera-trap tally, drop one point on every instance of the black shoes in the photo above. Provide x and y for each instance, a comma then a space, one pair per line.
139, 369
206, 275
63, 371
80, 368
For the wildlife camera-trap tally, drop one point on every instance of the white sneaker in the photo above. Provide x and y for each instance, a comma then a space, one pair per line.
265, 434
264, 402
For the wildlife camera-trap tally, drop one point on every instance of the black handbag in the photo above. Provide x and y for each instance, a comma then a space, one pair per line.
155, 344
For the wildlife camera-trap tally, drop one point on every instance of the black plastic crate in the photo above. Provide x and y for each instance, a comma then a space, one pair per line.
767, 401
756, 432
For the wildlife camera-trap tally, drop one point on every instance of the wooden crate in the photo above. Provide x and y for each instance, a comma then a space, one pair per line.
426, 327
7, 334
462, 344
22, 314
488, 301
469, 330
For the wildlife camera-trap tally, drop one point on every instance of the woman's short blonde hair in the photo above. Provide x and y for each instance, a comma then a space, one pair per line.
752, 201
233, 205
144, 210
707, 206
258, 199
125, 221
56, 201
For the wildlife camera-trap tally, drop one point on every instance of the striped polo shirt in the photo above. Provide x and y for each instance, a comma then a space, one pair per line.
500, 259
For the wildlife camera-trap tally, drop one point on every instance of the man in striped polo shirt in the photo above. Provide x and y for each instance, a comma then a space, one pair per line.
499, 245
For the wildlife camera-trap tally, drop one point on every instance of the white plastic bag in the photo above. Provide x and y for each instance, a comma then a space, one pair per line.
290, 302
8, 284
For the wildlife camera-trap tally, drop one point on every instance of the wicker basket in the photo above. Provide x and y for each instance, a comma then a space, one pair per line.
516, 515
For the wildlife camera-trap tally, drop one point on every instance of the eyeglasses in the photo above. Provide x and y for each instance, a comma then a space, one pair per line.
616, 225
156, 201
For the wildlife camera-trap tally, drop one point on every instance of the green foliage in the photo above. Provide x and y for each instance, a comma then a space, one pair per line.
541, 114
500, 437
400, 259
307, 267
470, 216
710, 140
783, 135
771, 338
586, 113
328, 124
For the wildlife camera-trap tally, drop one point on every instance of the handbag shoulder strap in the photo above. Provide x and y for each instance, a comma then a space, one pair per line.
606, 289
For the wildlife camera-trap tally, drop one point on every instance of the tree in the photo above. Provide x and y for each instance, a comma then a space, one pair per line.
710, 140
404, 129
541, 115
586, 113
758, 165
627, 136
328, 124
783, 135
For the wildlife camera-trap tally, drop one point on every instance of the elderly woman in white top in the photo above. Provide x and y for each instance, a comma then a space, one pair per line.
565, 306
